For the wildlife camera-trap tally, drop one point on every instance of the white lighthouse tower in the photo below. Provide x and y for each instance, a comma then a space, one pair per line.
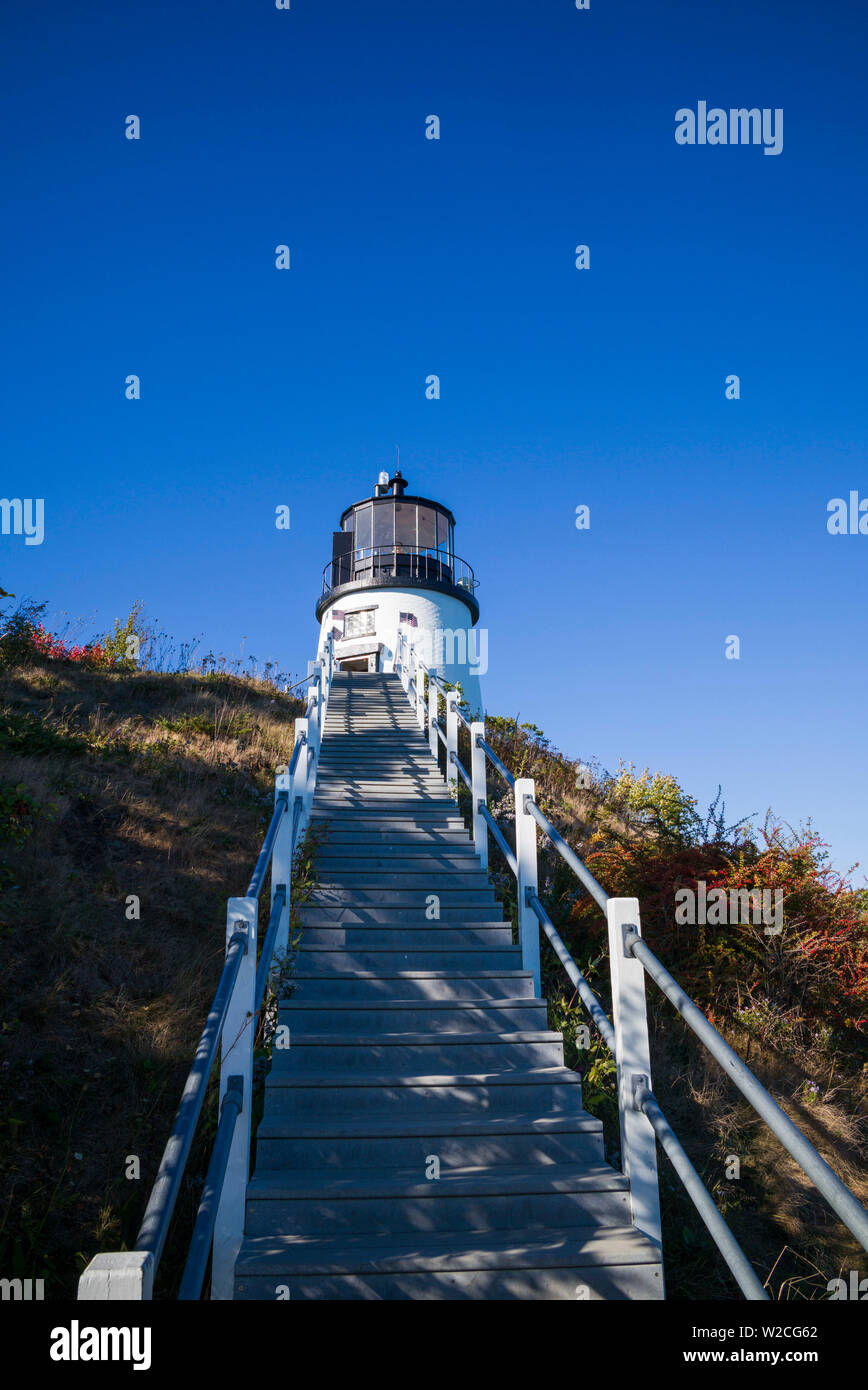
394, 567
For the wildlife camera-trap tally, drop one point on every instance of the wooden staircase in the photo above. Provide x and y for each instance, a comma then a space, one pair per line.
422, 1137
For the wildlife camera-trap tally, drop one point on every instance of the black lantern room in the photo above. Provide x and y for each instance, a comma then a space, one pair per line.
394, 540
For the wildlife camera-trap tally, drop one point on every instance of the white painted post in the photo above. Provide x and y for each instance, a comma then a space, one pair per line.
236, 1059
405, 665
314, 734
452, 741
433, 707
630, 1020
321, 702
323, 692
479, 793
420, 695
300, 780
122, 1277
525, 854
314, 706
325, 662
281, 864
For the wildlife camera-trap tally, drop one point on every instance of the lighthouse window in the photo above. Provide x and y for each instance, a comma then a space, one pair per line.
360, 624
405, 524
384, 524
427, 528
363, 529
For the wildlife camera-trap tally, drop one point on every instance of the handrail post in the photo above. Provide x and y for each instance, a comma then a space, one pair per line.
326, 677
281, 862
632, 1056
314, 707
121, 1276
323, 695
452, 741
420, 695
405, 671
320, 679
433, 711
236, 1059
525, 855
301, 780
479, 792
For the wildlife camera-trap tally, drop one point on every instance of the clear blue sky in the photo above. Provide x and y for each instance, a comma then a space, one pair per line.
411, 257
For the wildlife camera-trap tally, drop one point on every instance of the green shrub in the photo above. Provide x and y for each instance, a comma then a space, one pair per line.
18, 631
122, 646
17, 813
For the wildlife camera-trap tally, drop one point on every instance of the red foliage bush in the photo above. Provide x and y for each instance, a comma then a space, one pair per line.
818, 965
45, 644
23, 638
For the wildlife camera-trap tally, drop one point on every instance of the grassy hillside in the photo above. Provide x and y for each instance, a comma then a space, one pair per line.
119, 783
115, 784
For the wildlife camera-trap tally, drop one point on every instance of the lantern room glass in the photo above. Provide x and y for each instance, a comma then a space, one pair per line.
394, 537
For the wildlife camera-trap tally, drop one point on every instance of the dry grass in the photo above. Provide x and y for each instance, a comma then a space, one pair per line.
157, 786
794, 1241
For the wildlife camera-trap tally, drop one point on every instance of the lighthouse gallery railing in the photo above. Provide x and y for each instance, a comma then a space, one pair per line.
372, 564
641, 1119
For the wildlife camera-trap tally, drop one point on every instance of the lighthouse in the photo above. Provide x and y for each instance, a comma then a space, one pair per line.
394, 568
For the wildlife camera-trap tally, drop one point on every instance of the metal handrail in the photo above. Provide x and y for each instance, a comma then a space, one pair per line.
837, 1194
203, 1230
254, 887
311, 676
630, 1051
499, 837
159, 1211
423, 666
463, 717
587, 995
736, 1260
647, 1101
296, 752
465, 776
435, 679
843, 1202
264, 966
164, 1193
237, 1001
493, 758
569, 856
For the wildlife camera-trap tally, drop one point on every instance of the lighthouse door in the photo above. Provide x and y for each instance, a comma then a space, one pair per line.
361, 661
